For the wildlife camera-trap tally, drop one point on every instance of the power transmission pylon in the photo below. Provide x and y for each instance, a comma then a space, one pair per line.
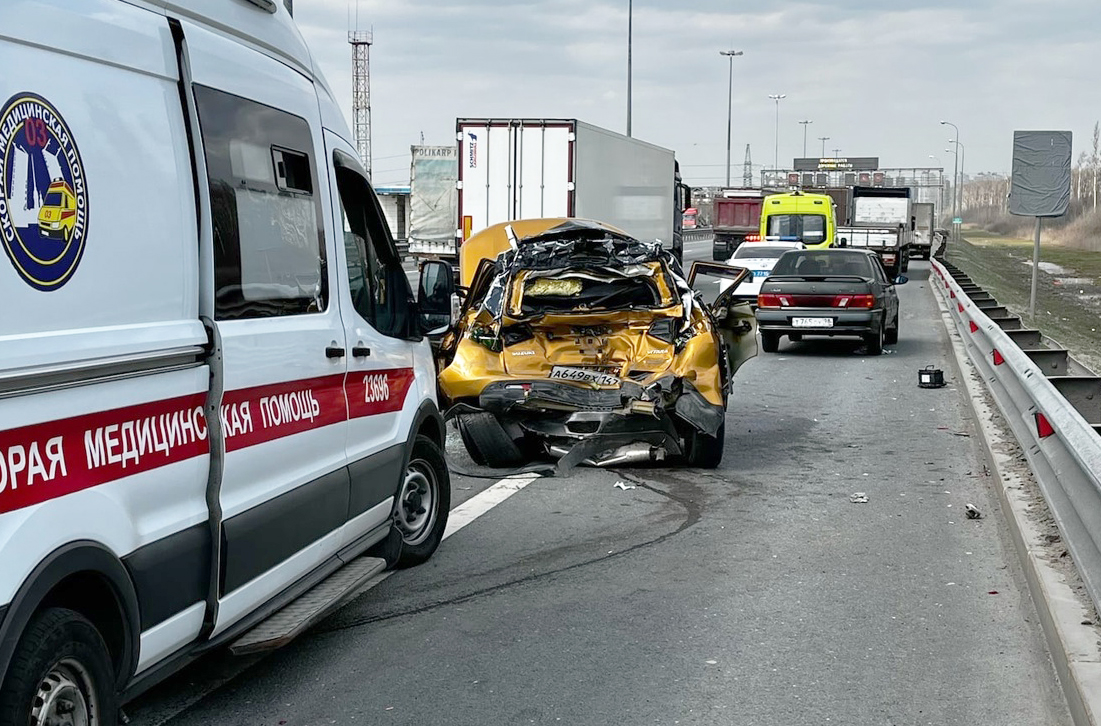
361, 40
747, 169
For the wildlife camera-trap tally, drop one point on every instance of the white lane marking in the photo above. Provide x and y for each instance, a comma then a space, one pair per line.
482, 502
459, 517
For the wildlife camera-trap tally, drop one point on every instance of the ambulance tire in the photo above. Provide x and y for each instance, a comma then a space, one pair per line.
488, 443
424, 501
60, 664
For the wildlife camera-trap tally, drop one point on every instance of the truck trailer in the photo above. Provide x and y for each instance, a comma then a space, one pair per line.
433, 200
536, 168
925, 216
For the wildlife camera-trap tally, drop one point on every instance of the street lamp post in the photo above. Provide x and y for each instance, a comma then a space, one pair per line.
730, 54
805, 124
630, 34
777, 97
823, 139
963, 160
955, 177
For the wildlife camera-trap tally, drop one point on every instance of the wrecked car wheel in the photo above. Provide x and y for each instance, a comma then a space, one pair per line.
703, 451
770, 342
468, 441
795, 337
488, 442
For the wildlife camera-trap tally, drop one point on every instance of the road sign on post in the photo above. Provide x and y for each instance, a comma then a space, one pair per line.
957, 220
1040, 185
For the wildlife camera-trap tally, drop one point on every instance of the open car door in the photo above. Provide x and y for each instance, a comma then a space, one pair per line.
735, 319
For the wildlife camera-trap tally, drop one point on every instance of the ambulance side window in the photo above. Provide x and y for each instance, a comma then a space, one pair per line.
269, 243
379, 288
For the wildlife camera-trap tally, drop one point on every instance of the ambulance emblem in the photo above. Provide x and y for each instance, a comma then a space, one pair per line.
43, 193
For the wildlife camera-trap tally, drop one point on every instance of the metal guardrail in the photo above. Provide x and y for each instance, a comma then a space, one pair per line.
1056, 417
696, 235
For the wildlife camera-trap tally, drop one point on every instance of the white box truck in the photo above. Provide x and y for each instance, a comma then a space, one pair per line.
533, 168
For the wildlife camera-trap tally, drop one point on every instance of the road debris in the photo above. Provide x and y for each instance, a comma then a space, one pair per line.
624, 485
858, 498
973, 511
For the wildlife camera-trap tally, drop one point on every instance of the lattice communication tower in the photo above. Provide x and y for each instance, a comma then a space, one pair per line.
361, 40
747, 169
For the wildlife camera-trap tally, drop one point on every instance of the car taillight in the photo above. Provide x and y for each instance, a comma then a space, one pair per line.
772, 300
854, 301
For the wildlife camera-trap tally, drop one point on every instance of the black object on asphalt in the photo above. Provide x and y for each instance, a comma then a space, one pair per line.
930, 377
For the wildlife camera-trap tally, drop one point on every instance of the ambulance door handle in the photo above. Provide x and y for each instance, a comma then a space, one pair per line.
334, 351
361, 351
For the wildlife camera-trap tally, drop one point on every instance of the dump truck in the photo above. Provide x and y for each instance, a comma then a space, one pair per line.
538, 168
736, 213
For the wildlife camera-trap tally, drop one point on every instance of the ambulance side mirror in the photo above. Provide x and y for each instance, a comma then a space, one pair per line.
435, 295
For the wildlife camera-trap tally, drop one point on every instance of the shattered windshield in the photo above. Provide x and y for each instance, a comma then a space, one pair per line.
575, 292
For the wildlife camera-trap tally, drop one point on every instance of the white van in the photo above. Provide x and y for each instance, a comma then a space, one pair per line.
216, 394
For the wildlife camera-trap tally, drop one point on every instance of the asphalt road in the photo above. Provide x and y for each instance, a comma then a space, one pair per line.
753, 594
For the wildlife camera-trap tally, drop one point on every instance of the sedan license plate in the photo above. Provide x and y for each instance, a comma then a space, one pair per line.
812, 322
580, 375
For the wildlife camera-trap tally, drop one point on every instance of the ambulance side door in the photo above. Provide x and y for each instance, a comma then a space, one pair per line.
272, 290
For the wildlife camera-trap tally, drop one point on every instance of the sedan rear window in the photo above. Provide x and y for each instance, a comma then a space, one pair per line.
820, 262
759, 252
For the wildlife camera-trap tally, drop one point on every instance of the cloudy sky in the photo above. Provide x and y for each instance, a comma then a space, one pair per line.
876, 76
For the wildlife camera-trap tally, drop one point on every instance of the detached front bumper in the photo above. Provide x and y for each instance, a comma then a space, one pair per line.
845, 322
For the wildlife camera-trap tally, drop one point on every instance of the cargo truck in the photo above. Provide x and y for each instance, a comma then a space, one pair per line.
882, 221
735, 214
925, 216
433, 200
842, 202
537, 168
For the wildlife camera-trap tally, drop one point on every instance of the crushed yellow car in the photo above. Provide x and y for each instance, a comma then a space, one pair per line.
580, 343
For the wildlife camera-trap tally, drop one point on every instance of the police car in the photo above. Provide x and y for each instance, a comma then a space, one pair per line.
216, 390
759, 256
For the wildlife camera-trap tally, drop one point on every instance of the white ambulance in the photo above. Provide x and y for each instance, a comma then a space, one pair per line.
216, 393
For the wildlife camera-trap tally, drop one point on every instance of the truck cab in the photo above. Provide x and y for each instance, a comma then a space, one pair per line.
799, 217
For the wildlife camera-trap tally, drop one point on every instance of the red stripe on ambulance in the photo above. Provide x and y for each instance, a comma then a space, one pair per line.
49, 460
52, 459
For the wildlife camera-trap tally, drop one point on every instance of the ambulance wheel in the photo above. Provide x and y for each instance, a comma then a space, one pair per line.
424, 502
703, 451
60, 673
487, 441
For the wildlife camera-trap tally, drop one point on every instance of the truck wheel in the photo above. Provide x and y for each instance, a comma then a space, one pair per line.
60, 673
489, 442
891, 336
770, 342
703, 451
874, 341
424, 502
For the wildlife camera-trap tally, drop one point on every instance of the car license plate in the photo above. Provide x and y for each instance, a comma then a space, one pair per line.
580, 375
812, 322
761, 273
